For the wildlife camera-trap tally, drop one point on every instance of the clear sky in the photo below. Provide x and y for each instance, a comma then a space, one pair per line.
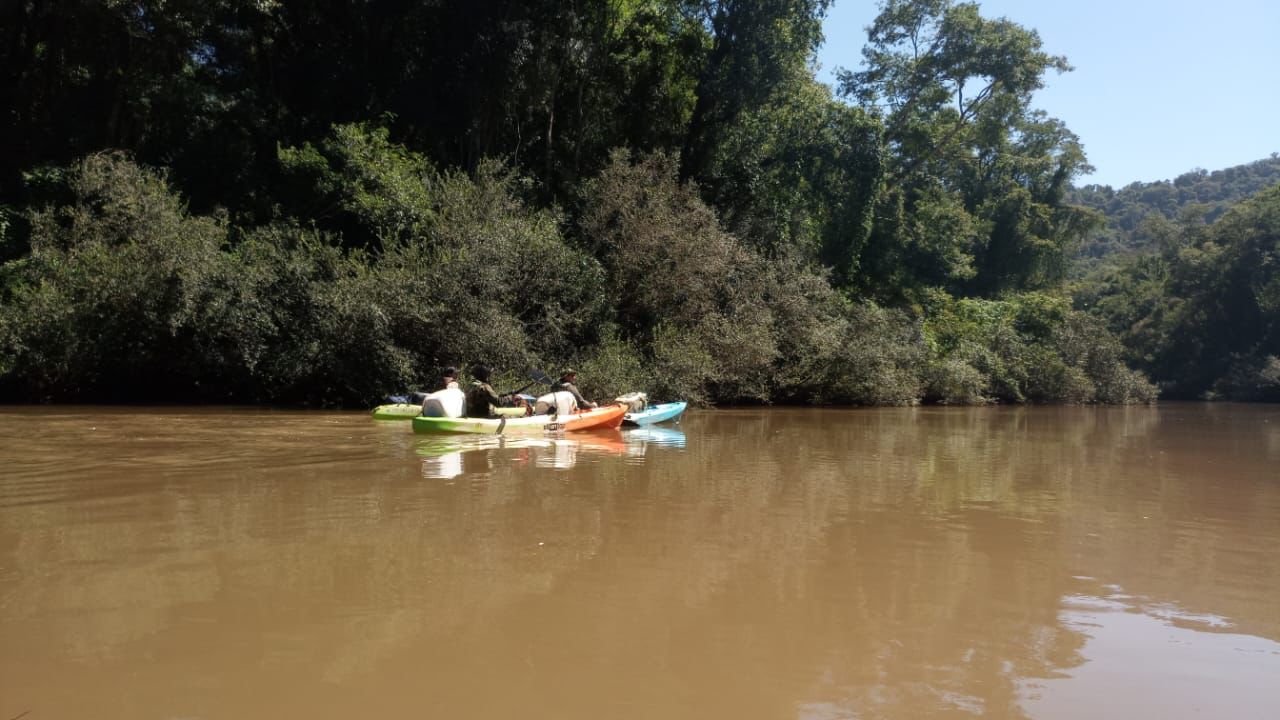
1159, 87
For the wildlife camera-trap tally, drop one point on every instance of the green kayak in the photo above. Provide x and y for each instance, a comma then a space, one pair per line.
408, 411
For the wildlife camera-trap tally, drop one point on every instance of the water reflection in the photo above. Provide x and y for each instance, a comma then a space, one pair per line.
1111, 671
448, 457
642, 437
901, 563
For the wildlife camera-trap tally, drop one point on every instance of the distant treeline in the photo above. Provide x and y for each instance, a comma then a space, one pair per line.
1134, 211
249, 200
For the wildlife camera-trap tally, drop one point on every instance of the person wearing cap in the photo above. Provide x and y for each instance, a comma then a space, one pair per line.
566, 384
481, 398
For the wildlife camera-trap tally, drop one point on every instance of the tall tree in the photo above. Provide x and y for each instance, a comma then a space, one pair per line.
751, 48
81, 75
954, 90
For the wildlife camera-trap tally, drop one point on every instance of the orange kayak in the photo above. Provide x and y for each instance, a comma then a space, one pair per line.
608, 416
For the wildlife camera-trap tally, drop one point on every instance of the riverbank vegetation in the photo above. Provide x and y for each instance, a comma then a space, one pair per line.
1200, 311
248, 201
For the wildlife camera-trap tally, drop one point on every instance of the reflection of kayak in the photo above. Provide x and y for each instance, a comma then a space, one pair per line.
443, 456
669, 437
655, 414
609, 416
604, 440
408, 411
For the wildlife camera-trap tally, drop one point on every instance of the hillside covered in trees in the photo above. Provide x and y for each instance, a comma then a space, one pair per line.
302, 202
1199, 196
1200, 311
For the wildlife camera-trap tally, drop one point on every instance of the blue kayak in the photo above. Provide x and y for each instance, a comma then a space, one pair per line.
655, 414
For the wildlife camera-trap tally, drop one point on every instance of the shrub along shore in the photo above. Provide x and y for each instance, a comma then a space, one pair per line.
127, 296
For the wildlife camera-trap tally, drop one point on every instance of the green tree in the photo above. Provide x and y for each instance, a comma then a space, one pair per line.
751, 48
966, 151
108, 299
713, 319
1195, 196
1202, 314
799, 176
687, 291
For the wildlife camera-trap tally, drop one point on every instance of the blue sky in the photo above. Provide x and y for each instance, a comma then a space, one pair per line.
1159, 88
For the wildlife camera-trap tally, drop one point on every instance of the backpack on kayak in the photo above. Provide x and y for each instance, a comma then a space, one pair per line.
635, 402
556, 403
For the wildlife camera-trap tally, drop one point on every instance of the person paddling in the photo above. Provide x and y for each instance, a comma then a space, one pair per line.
481, 398
566, 384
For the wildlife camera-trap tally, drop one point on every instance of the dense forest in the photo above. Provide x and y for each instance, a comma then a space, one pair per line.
1199, 312
1196, 196
311, 202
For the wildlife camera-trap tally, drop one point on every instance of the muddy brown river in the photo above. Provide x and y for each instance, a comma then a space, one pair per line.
1044, 563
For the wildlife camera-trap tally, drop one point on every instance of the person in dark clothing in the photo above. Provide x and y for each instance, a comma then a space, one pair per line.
566, 384
481, 398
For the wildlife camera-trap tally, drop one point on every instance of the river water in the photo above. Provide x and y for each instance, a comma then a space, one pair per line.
1056, 562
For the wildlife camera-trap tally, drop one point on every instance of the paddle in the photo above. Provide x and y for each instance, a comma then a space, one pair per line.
537, 376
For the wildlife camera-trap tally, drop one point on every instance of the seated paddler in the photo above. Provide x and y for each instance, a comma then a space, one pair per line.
566, 384
481, 398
